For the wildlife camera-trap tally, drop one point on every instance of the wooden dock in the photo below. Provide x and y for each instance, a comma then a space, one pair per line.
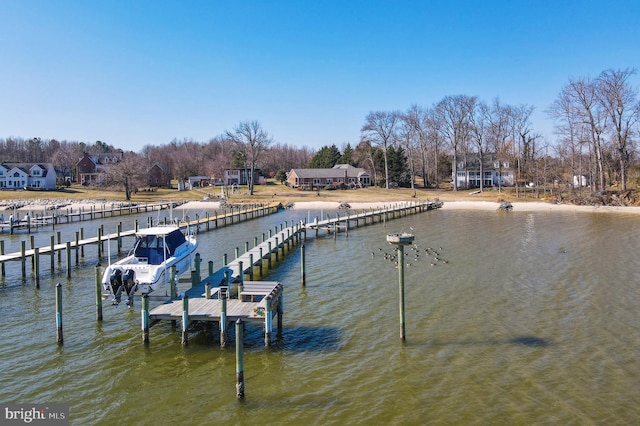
198, 224
35, 220
225, 295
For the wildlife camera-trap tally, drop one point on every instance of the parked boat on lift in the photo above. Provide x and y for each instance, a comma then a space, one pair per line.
147, 266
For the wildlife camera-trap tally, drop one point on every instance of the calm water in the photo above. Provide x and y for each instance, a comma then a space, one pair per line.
533, 319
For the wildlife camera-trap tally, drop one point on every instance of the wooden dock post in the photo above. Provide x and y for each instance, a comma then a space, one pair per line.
23, 259
239, 359
32, 245
59, 241
268, 322
4, 271
82, 247
98, 292
197, 262
59, 336
119, 236
99, 243
210, 264
52, 253
77, 241
260, 263
250, 266
277, 248
279, 314
269, 258
303, 273
145, 318
36, 261
68, 251
172, 282
223, 320
185, 319
401, 289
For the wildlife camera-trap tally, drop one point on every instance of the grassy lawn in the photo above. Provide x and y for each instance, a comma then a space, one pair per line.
271, 192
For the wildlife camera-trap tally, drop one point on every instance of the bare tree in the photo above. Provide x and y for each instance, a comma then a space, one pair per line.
127, 173
380, 128
618, 99
480, 123
584, 94
253, 141
454, 114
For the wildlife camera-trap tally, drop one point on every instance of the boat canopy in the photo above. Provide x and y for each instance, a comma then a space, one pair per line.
157, 246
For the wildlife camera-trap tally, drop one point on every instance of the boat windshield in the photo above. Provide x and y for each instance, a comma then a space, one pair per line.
158, 248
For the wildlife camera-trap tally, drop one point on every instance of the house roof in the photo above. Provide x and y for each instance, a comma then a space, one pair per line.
337, 171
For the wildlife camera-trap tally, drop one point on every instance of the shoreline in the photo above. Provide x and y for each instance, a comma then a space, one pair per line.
525, 206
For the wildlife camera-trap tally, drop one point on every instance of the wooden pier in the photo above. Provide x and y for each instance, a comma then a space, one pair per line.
198, 224
225, 295
34, 220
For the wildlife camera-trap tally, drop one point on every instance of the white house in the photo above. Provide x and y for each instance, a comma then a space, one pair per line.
494, 172
27, 175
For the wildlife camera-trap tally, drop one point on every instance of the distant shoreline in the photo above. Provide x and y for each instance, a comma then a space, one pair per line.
527, 206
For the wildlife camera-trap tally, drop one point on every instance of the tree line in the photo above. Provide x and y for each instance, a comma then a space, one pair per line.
596, 122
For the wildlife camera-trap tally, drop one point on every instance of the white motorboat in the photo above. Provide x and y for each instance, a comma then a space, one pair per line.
148, 265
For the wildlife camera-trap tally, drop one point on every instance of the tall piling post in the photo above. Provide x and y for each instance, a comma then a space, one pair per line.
239, 359
36, 261
401, 240
68, 258
59, 335
98, 292
185, 319
23, 259
268, 322
223, 319
303, 273
52, 253
144, 313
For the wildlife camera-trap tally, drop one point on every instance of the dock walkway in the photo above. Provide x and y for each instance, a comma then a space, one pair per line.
212, 298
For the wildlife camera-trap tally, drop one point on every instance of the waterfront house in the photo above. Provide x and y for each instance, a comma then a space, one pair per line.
353, 177
494, 172
27, 176
92, 168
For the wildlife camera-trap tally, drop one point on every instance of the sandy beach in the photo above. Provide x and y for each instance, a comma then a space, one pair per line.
529, 206
37, 206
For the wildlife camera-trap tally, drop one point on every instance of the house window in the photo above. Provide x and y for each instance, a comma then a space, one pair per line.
329, 180
35, 172
317, 181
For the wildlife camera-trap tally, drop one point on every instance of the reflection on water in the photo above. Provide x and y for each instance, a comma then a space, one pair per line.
511, 318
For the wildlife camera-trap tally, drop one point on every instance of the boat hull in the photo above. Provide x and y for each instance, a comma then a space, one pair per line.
137, 275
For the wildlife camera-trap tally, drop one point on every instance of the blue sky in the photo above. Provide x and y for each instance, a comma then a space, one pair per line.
136, 73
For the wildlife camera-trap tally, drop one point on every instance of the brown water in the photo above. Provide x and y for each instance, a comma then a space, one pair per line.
532, 320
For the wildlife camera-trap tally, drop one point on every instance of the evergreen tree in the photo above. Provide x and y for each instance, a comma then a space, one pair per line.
326, 158
347, 156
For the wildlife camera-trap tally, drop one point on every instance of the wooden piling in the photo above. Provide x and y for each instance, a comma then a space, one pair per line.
239, 359
23, 259
185, 319
145, 318
303, 274
401, 289
59, 335
68, 251
268, 323
98, 292
36, 262
223, 320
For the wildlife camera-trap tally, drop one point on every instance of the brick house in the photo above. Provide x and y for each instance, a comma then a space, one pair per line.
354, 177
91, 168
